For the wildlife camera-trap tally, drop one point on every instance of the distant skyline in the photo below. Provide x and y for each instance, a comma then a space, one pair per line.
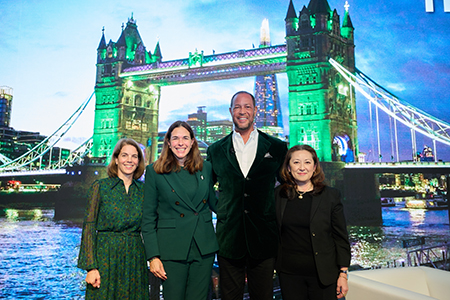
48, 56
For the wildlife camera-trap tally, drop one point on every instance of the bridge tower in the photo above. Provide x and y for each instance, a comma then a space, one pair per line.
125, 108
322, 110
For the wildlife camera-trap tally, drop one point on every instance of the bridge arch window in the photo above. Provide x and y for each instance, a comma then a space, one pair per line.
109, 52
310, 137
137, 100
107, 69
128, 124
308, 109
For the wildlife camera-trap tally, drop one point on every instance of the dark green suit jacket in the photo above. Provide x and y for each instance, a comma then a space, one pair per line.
246, 221
171, 220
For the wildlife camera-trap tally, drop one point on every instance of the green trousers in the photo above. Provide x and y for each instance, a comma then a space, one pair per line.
188, 279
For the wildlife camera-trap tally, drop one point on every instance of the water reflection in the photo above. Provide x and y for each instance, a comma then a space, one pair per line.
38, 255
16, 214
417, 216
378, 246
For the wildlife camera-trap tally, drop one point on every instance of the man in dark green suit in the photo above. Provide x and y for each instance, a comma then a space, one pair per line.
246, 163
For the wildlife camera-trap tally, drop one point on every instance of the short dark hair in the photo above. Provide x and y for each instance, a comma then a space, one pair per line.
167, 161
112, 167
242, 92
289, 187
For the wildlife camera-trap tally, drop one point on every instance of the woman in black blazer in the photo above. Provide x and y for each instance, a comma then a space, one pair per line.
314, 252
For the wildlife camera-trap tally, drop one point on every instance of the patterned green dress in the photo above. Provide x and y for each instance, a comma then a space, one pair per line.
111, 241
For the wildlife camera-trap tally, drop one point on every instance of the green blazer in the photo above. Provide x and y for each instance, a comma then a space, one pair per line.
171, 220
246, 221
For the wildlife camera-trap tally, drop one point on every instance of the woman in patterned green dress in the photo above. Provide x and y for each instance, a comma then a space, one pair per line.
111, 245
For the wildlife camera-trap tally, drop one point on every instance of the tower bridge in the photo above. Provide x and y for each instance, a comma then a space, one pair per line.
319, 60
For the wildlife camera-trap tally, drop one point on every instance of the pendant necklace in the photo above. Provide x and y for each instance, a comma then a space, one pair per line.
300, 194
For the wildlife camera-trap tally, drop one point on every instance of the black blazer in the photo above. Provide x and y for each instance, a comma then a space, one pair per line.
329, 237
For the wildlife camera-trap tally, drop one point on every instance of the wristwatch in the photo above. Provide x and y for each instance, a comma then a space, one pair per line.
343, 271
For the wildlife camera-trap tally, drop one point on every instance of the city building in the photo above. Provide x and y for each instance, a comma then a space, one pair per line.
6, 96
268, 118
208, 131
197, 121
217, 130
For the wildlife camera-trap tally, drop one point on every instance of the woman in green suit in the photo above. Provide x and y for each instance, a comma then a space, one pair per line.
177, 228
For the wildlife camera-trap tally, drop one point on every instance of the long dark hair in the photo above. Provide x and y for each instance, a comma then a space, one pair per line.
112, 167
288, 189
167, 162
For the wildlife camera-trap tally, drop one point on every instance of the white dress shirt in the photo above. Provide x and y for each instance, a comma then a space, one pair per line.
245, 152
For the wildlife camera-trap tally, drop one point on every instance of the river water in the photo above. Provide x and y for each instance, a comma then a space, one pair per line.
38, 254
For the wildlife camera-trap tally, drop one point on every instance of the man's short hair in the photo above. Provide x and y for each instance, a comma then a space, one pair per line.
242, 92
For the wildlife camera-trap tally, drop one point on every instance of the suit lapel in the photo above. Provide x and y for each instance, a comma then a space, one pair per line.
178, 188
203, 185
262, 150
282, 203
230, 154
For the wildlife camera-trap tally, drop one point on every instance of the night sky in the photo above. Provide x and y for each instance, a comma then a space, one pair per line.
48, 56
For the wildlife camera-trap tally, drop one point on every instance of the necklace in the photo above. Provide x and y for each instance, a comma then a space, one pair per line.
300, 194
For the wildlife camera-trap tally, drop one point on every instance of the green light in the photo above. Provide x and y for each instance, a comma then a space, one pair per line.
12, 214
313, 21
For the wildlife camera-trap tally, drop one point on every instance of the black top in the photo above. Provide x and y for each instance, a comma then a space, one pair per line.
296, 245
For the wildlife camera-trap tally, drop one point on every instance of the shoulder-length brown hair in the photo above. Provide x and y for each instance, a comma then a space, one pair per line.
288, 189
112, 167
167, 162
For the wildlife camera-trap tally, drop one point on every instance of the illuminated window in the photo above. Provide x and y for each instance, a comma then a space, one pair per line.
136, 125
137, 100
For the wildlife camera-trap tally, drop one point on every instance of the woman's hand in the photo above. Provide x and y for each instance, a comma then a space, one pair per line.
93, 277
342, 286
157, 268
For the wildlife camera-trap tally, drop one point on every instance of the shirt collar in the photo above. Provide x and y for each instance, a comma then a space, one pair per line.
117, 180
253, 135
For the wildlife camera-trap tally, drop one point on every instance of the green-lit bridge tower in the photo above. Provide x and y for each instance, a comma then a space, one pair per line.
125, 108
322, 111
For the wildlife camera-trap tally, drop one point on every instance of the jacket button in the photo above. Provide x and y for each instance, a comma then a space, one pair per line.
181, 215
246, 211
204, 200
313, 234
196, 213
317, 253
173, 191
247, 178
177, 203
246, 195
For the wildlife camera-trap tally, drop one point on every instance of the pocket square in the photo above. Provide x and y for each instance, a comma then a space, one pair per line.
267, 155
